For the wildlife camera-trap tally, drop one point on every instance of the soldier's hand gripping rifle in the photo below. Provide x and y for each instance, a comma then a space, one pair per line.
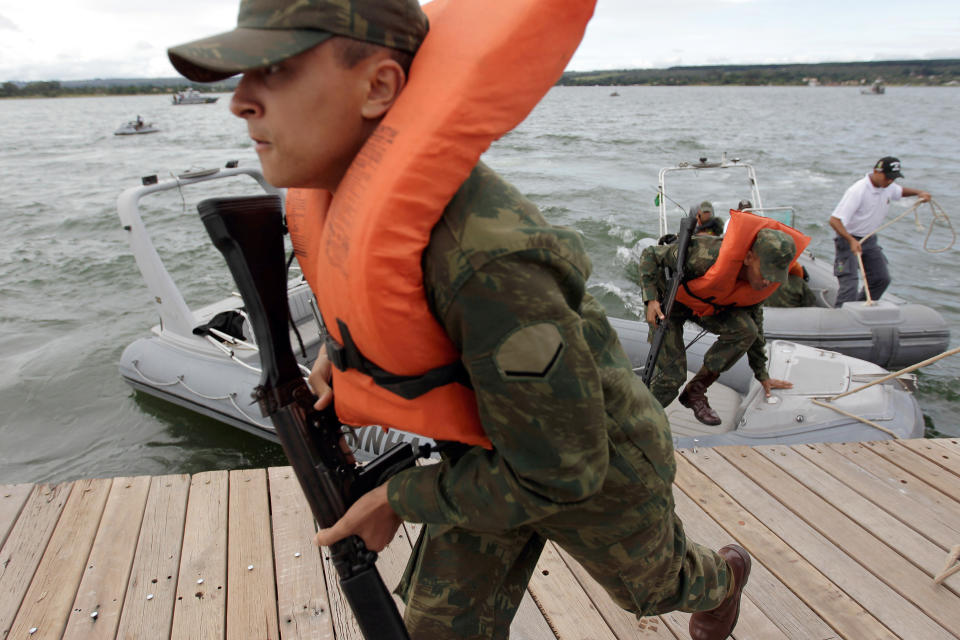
248, 231
687, 225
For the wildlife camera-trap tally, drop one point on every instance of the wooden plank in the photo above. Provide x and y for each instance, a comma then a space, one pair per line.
930, 472
566, 606
924, 554
96, 609
529, 623
624, 624
705, 477
902, 480
302, 605
199, 613
873, 555
12, 499
936, 451
952, 445
251, 586
151, 591
24, 546
887, 493
780, 606
54, 587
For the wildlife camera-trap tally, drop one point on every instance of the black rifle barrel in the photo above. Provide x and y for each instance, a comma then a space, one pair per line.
248, 231
687, 225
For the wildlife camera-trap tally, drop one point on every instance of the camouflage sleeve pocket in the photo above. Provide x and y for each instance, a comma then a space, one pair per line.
529, 352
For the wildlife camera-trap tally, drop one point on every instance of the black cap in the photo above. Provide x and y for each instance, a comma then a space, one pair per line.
890, 167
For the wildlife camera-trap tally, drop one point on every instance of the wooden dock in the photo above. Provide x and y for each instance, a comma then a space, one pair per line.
846, 541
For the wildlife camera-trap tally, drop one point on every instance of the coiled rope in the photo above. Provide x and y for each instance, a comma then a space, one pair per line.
938, 215
881, 380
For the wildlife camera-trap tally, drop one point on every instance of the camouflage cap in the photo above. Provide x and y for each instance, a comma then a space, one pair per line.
269, 31
706, 206
775, 250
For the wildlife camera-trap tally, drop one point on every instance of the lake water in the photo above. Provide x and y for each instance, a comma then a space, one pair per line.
71, 297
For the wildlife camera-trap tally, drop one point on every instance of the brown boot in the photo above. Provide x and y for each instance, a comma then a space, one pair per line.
718, 623
694, 397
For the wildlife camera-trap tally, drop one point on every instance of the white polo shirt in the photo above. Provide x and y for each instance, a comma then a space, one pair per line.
864, 206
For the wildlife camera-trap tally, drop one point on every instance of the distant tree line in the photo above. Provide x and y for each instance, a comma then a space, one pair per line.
899, 72
56, 89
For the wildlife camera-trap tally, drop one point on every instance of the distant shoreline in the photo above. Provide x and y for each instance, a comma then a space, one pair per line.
893, 73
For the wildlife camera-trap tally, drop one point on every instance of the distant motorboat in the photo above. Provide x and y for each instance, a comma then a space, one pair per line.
876, 89
192, 96
135, 127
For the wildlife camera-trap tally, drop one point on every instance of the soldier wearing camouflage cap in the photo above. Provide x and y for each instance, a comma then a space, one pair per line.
739, 330
582, 454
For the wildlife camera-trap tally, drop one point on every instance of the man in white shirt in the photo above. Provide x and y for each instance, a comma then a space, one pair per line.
860, 213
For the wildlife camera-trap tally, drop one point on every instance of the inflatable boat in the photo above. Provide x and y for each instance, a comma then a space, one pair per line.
203, 359
891, 332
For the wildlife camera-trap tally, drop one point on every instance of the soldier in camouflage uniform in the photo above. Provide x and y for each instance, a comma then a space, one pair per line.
707, 223
582, 453
739, 330
795, 292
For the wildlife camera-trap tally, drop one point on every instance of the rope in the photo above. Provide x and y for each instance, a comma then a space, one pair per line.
179, 380
856, 417
880, 380
949, 570
863, 277
897, 374
938, 215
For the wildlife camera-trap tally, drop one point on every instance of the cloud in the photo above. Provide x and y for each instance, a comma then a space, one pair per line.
7, 23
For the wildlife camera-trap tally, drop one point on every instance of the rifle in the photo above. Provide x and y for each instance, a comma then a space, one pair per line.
248, 231
687, 225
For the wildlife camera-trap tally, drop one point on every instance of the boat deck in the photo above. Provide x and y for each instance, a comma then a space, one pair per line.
846, 541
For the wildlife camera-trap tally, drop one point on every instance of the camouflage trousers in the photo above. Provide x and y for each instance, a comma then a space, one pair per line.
735, 329
468, 584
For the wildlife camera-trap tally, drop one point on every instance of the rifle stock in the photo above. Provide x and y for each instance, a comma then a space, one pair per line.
248, 231
687, 225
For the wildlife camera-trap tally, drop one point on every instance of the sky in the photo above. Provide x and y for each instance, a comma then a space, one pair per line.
86, 39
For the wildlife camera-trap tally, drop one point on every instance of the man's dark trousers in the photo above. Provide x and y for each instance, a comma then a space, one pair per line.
847, 270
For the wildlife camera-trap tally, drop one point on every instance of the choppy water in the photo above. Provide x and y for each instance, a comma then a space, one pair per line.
71, 297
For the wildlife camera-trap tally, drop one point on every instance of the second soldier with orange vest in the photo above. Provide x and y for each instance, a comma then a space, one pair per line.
723, 292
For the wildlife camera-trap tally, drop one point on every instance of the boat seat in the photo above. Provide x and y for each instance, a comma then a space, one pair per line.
724, 400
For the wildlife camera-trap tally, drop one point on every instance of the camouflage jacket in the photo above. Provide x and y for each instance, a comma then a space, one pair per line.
795, 292
554, 388
702, 252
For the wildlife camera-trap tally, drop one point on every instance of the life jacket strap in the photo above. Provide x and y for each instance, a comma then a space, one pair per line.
710, 301
347, 356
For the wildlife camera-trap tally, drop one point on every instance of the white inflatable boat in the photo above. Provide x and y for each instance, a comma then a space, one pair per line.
202, 359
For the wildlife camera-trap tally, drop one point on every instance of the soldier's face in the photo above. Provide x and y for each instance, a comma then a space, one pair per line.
751, 272
304, 116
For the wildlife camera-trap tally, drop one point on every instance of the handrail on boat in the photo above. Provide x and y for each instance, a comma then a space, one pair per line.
703, 164
175, 315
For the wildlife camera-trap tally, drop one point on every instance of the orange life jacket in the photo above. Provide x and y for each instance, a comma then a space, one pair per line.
719, 288
478, 73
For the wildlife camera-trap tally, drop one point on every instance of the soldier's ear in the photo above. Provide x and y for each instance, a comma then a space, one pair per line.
386, 79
